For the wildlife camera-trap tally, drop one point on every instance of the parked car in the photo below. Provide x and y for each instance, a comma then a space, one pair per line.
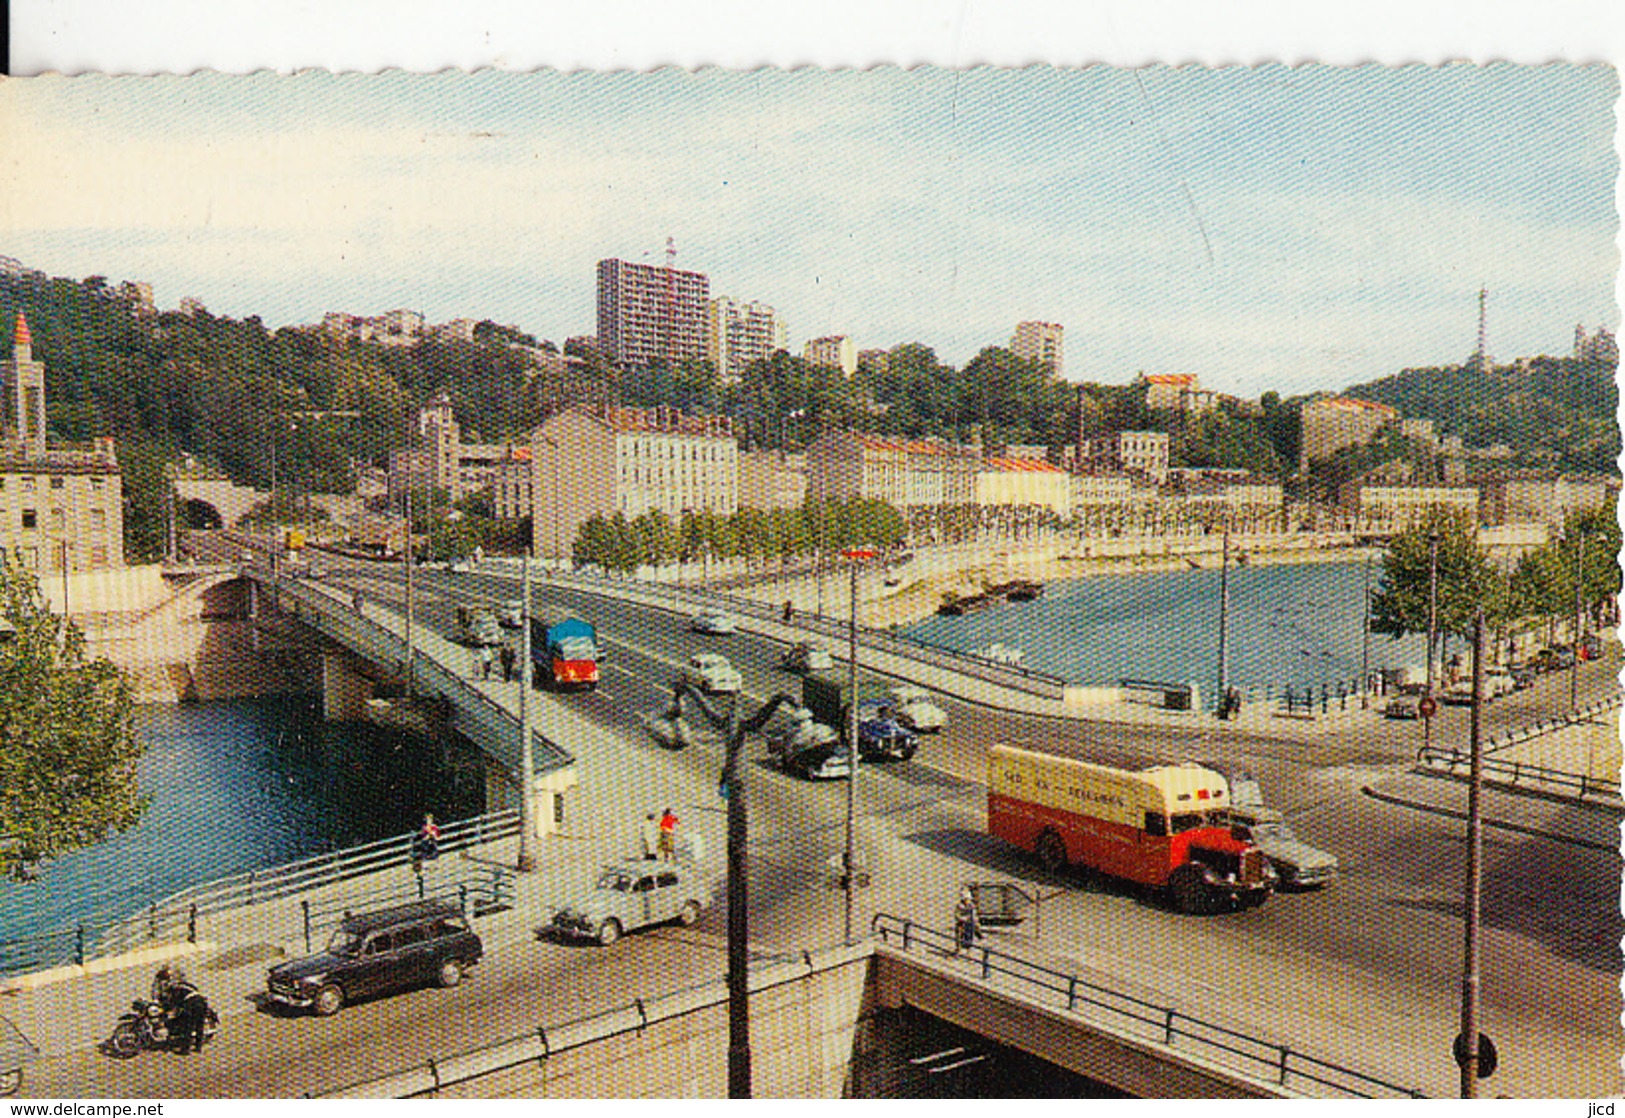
378, 952
1498, 682
1523, 676
711, 673
881, 736
1557, 658
714, 622
916, 710
1591, 647
804, 747
1297, 864
1460, 693
511, 614
1407, 703
806, 656
632, 896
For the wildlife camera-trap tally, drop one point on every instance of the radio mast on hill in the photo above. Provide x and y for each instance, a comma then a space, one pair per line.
1479, 355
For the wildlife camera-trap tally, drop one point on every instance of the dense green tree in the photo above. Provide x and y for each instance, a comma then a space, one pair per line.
1466, 580
68, 747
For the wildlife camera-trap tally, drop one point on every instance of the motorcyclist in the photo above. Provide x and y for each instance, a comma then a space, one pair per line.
186, 1007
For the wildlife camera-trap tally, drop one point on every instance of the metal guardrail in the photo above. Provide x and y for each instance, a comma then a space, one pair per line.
1519, 773
489, 889
683, 598
1551, 725
175, 918
1147, 1020
291, 878
535, 1045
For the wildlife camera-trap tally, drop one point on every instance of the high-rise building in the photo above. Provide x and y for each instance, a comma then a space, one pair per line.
1039, 341
836, 351
647, 312
741, 333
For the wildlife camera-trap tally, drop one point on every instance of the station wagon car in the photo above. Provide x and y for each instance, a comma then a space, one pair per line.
379, 952
710, 621
632, 896
916, 710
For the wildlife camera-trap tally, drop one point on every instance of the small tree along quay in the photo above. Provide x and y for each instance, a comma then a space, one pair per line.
68, 747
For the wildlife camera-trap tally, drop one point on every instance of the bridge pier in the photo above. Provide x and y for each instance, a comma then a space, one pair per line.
345, 690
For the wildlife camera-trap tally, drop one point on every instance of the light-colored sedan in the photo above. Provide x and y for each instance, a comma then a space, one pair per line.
1299, 865
714, 622
511, 613
1406, 704
711, 673
632, 896
916, 710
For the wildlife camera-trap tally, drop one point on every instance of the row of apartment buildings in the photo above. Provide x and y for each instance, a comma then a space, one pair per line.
603, 460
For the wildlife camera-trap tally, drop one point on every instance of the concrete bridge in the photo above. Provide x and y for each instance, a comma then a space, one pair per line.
361, 674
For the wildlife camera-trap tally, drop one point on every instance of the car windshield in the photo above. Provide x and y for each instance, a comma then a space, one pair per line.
1271, 831
1190, 820
577, 648
344, 942
615, 881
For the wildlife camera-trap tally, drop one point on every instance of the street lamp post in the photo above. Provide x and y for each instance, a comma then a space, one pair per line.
1433, 625
1365, 635
1469, 1054
848, 871
1579, 618
1224, 617
733, 790
527, 760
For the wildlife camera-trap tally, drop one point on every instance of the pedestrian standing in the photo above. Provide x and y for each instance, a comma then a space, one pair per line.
967, 925
649, 833
485, 661
668, 836
789, 610
355, 600
425, 844
507, 663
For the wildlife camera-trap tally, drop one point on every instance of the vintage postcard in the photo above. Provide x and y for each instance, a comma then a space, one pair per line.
901, 583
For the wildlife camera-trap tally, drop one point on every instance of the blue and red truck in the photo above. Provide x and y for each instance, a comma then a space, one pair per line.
564, 655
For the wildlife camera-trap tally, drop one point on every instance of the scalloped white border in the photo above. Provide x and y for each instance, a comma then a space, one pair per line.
177, 36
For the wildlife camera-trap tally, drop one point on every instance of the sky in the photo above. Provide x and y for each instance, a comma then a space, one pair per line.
1265, 227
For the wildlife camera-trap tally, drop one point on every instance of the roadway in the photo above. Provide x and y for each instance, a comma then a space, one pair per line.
1375, 957
1392, 921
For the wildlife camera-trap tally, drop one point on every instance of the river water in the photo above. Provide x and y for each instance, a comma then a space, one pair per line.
241, 785
1298, 625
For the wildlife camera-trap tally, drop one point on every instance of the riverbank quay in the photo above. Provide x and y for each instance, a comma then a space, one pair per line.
70, 1009
912, 591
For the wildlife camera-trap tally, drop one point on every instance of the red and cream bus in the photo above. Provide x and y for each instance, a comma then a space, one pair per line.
1165, 827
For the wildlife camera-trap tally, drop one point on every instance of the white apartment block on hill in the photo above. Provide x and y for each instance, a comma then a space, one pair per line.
1040, 341
836, 351
740, 333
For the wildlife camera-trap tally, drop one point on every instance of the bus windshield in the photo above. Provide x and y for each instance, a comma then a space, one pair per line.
1191, 820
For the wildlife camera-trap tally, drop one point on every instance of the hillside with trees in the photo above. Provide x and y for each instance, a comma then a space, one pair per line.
1553, 412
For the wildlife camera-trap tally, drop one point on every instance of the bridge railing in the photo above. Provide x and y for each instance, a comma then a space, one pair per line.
686, 599
176, 918
1142, 1018
331, 613
1520, 773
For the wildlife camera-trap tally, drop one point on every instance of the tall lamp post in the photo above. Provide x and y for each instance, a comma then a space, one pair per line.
1433, 626
1579, 618
1467, 1045
527, 759
1365, 635
1224, 617
857, 556
733, 790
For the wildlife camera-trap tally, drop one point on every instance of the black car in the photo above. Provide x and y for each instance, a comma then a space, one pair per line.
380, 952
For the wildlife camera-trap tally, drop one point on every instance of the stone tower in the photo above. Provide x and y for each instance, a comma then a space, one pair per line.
25, 392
